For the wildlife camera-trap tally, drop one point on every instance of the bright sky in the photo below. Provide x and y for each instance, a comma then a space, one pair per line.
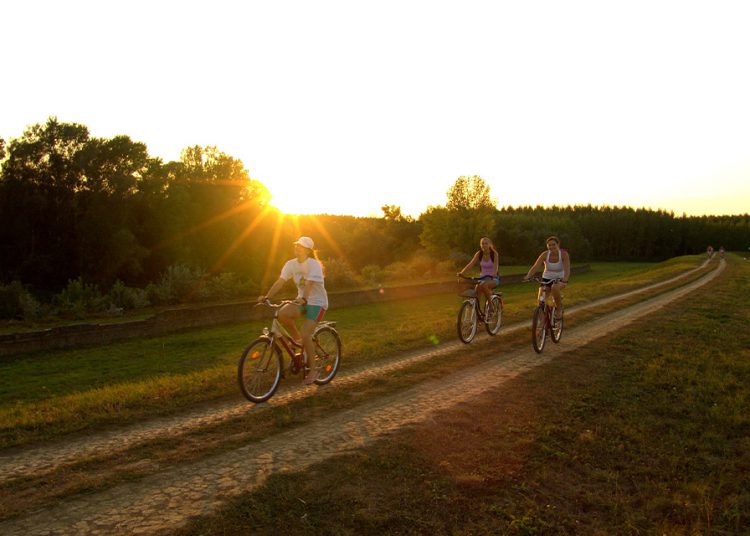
344, 106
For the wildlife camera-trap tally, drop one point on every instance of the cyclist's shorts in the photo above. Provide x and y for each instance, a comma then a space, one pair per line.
313, 312
495, 278
548, 282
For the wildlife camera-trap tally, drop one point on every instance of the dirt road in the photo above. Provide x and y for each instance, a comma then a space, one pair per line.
168, 499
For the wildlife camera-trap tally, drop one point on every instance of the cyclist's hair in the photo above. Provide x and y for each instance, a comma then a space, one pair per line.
314, 255
553, 237
493, 251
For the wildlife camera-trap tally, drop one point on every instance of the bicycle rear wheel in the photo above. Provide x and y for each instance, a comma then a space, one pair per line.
495, 320
259, 370
539, 329
467, 322
328, 350
557, 325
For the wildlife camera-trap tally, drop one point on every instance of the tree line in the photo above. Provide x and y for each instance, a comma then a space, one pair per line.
105, 212
590, 233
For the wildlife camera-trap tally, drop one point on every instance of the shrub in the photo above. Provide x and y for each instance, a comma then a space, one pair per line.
16, 302
180, 283
339, 275
228, 286
79, 299
398, 271
128, 297
372, 274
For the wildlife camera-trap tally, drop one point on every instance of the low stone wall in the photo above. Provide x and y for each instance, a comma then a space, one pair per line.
191, 317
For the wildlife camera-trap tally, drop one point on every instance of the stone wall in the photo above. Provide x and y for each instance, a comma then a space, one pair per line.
198, 316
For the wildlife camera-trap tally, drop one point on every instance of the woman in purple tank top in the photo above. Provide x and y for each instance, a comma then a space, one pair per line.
489, 260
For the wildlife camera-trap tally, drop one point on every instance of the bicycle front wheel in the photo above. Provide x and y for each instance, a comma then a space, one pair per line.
557, 325
539, 329
467, 322
495, 319
328, 350
259, 370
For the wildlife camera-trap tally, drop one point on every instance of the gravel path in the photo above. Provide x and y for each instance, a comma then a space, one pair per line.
168, 499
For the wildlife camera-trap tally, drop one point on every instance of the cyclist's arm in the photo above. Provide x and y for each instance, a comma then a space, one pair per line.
307, 290
472, 262
274, 289
536, 267
566, 267
497, 263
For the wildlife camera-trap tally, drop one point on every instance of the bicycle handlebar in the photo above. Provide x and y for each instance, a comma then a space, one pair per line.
268, 303
472, 279
539, 280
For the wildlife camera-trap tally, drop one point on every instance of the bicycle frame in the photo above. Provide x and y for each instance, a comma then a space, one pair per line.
467, 324
280, 338
542, 322
262, 365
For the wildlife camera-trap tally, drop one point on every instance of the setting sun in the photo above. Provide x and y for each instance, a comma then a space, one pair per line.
550, 104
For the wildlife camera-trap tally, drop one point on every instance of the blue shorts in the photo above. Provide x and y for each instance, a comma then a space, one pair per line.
495, 278
313, 312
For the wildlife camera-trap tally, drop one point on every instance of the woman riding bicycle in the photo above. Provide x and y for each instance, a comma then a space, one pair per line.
312, 300
556, 264
489, 261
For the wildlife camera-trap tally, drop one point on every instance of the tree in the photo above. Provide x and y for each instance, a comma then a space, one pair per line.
41, 177
393, 213
469, 193
454, 230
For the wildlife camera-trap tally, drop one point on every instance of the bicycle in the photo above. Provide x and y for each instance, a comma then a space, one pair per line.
469, 314
261, 367
546, 319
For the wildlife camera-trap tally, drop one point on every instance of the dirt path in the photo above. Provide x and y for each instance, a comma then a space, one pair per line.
38, 460
168, 499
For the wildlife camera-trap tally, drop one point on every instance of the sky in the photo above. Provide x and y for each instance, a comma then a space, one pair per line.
341, 107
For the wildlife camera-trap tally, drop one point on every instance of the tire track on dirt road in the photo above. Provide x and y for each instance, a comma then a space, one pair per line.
169, 499
39, 460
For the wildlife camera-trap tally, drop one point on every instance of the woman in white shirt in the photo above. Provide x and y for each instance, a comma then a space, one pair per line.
312, 300
556, 264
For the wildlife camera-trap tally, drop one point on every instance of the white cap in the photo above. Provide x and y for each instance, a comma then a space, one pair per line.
305, 242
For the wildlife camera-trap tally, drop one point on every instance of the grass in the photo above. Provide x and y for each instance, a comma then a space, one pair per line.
63, 391
643, 432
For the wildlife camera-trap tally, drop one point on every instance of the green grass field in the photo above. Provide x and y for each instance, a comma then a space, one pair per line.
646, 431
47, 394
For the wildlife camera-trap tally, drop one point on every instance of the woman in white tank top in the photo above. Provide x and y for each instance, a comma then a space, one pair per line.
556, 264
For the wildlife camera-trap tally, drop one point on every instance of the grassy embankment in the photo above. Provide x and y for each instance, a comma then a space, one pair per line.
62, 391
646, 431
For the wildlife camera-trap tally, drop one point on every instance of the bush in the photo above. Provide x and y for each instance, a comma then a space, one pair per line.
397, 271
372, 274
339, 275
79, 299
128, 297
17, 303
180, 283
228, 286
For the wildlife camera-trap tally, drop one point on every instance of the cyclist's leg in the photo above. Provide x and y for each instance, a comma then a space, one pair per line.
557, 297
486, 288
288, 315
313, 314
